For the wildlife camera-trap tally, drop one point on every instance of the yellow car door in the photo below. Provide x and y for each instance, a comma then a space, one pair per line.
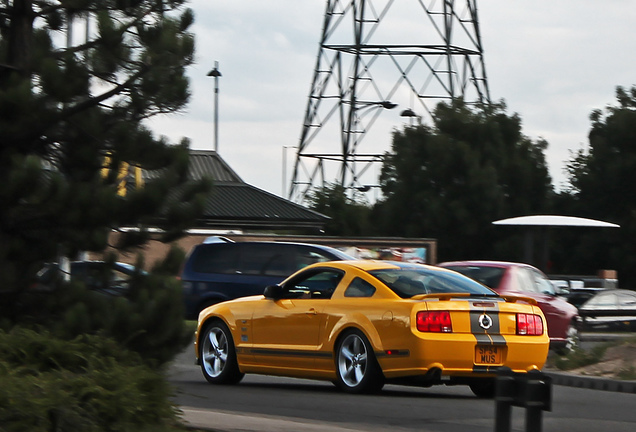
286, 330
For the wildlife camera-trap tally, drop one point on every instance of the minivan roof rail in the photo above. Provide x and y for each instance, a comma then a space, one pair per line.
217, 239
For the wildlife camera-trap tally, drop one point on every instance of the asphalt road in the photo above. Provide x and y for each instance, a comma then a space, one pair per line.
263, 403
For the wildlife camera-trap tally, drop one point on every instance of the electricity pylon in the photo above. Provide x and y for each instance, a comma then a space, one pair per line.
375, 55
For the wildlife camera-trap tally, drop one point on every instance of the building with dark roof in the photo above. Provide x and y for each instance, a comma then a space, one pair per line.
234, 204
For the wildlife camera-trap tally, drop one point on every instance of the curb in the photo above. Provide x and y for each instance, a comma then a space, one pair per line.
222, 421
592, 382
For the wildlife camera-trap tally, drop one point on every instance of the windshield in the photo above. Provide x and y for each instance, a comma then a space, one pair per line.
411, 281
489, 276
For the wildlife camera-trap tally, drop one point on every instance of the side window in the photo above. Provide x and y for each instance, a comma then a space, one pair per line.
279, 262
359, 288
254, 258
544, 286
525, 281
305, 256
316, 285
215, 258
603, 301
627, 301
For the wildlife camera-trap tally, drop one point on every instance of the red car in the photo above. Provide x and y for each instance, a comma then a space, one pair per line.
518, 278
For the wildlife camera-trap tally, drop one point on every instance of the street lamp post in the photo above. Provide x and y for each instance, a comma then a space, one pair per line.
285, 167
216, 74
354, 134
410, 114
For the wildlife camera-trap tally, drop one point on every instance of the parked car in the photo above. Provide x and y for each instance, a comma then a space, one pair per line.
224, 270
362, 323
518, 278
574, 291
108, 278
610, 310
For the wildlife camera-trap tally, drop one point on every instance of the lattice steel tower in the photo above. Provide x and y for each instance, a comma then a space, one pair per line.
375, 55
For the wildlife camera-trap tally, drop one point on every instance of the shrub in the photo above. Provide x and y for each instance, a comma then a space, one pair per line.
89, 383
148, 320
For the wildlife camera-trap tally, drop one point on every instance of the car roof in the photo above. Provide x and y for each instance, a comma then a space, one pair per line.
484, 263
370, 265
616, 291
340, 254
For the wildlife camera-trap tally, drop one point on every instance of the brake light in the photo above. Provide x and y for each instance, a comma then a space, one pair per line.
529, 325
434, 322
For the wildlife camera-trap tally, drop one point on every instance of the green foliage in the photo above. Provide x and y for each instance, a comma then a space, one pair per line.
88, 384
348, 216
450, 181
72, 128
172, 263
579, 358
601, 178
72, 136
628, 373
148, 320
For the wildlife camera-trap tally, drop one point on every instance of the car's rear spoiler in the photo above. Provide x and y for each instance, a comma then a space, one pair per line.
449, 296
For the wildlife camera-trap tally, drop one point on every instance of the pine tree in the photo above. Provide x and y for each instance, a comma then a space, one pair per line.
78, 81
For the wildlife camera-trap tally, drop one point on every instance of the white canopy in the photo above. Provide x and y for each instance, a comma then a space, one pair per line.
551, 220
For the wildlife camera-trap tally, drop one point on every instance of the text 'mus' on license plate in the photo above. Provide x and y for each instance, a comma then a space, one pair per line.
488, 354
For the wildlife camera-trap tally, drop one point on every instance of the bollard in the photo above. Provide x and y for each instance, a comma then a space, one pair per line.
537, 397
505, 391
532, 391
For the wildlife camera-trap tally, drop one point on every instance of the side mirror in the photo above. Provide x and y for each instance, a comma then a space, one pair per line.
273, 292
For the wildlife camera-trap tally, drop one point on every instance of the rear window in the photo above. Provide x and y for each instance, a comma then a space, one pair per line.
489, 276
408, 282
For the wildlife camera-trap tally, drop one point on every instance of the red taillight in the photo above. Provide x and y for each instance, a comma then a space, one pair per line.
529, 325
434, 322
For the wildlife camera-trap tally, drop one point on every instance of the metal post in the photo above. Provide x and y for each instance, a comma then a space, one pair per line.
216, 74
505, 392
532, 391
534, 419
285, 169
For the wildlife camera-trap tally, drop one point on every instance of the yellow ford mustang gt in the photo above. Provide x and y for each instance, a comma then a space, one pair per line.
360, 324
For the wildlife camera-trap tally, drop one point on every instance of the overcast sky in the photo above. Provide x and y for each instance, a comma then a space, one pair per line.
551, 61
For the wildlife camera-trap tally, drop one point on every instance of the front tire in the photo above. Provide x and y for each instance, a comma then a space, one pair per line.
357, 369
218, 355
571, 340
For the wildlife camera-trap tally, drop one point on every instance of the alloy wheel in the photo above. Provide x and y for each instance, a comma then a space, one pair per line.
215, 352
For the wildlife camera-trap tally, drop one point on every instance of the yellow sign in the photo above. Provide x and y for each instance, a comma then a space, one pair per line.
127, 173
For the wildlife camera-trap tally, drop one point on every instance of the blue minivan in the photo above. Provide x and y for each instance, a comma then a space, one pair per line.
222, 270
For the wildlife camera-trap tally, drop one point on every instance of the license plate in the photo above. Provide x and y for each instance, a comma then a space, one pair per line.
488, 354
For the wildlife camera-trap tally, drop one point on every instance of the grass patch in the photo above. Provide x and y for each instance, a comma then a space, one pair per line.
579, 358
628, 373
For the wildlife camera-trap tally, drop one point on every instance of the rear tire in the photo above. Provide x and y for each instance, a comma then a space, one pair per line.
357, 369
483, 388
218, 355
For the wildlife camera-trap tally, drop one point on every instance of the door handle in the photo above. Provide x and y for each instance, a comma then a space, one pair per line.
312, 311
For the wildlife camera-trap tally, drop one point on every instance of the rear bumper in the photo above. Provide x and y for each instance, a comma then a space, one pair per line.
455, 355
